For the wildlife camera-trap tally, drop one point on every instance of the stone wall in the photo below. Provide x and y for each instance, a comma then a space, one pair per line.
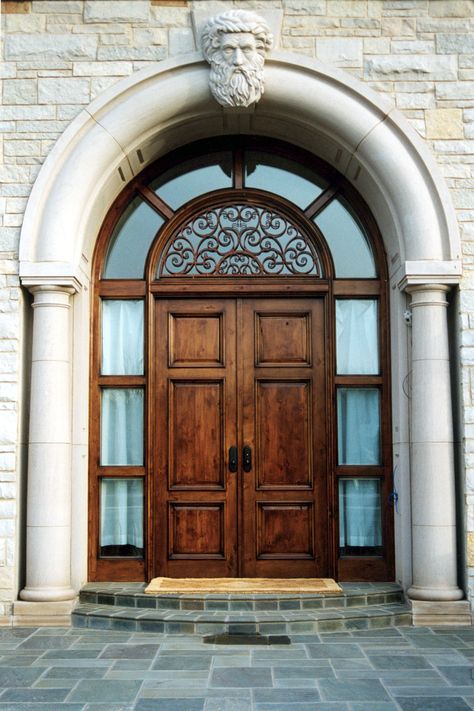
60, 54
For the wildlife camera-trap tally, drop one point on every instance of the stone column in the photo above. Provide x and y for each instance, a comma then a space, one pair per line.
48, 538
432, 450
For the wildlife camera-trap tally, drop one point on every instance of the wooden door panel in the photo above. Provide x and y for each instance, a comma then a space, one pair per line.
285, 530
194, 417
196, 530
283, 436
283, 339
196, 434
196, 339
284, 416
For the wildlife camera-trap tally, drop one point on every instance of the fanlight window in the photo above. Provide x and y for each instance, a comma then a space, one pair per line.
239, 240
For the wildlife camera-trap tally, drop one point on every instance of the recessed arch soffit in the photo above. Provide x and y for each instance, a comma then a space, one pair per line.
318, 108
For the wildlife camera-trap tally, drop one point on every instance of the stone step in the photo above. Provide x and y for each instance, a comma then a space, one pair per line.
218, 622
132, 595
124, 606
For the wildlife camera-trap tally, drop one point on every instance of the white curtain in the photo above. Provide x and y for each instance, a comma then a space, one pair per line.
121, 508
357, 342
359, 513
122, 337
122, 427
358, 426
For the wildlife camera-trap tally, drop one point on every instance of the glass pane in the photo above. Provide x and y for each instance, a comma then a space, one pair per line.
282, 176
121, 517
239, 240
194, 177
131, 240
358, 425
122, 337
360, 519
350, 248
357, 337
122, 427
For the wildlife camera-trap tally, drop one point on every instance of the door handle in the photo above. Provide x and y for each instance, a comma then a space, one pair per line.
247, 459
233, 459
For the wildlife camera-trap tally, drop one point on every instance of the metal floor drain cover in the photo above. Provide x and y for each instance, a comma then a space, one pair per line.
247, 639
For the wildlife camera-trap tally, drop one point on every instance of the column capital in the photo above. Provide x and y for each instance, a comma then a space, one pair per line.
51, 295
428, 294
69, 285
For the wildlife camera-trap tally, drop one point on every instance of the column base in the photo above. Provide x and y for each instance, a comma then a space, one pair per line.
428, 614
47, 594
418, 592
42, 614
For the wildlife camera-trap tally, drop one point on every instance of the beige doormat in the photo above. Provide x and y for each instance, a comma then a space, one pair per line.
242, 586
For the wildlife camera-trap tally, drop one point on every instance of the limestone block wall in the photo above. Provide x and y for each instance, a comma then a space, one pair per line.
60, 54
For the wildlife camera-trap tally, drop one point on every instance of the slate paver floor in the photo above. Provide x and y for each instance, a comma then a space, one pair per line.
403, 669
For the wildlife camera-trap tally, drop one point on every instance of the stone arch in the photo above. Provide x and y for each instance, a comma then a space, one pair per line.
157, 109
132, 124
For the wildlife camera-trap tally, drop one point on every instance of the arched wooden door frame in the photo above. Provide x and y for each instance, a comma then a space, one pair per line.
246, 288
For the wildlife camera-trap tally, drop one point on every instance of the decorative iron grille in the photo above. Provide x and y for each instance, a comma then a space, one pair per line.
239, 240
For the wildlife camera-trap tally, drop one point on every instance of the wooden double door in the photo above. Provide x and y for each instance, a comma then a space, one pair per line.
239, 418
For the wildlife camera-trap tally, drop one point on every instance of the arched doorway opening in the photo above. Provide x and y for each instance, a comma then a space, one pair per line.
132, 124
240, 401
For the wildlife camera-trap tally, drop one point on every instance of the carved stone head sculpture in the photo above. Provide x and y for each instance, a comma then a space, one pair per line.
235, 43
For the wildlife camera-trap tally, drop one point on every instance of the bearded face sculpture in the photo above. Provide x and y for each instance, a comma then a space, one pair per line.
235, 44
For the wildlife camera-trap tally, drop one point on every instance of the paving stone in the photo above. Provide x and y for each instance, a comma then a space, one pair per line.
180, 704
377, 706
458, 676
301, 707
227, 704
105, 690
39, 706
392, 661
183, 662
30, 695
294, 695
71, 653
19, 676
354, 690
130, 651
349, 651
46, 642
302, 673
433, 704
425, 641
243, 677
17, 660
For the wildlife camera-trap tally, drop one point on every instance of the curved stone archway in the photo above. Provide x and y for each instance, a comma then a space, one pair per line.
157, 109
131, 125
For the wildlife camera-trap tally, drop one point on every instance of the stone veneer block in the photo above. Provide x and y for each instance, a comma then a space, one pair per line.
116, 11
426, 614
340, 52
50, 614
23, 47
414, 66
444, 123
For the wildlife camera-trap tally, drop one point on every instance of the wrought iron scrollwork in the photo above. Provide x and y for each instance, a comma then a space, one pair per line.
239, 240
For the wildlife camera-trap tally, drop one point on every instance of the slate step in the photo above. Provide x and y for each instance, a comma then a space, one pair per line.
132, 595
264, 622
124, 606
